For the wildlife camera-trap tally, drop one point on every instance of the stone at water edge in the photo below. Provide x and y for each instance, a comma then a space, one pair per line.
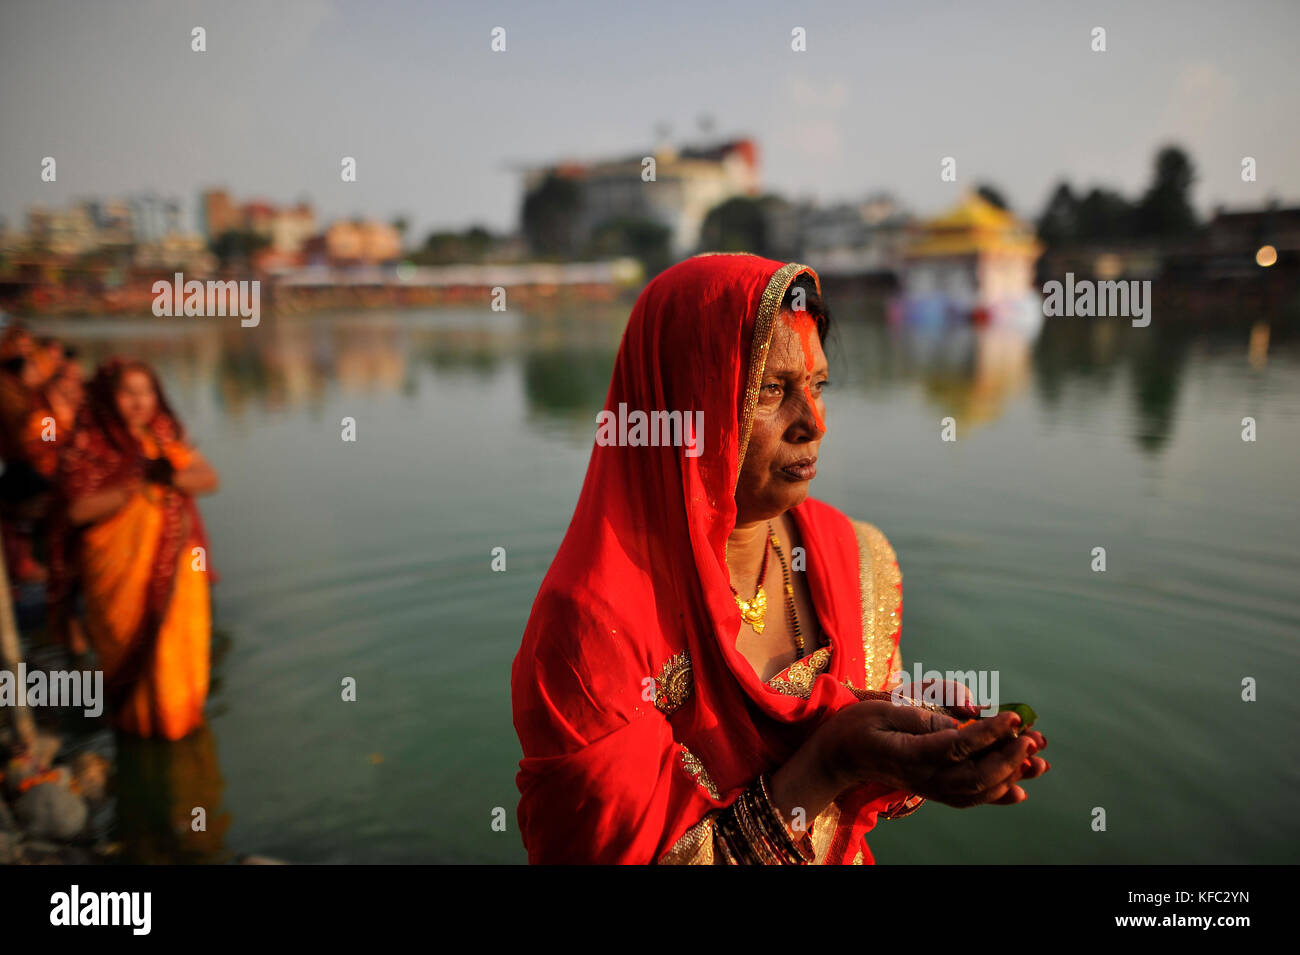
11, 839
44, 748
49, 853
38, 758
90, 776
11, 851
51, 810
16, 772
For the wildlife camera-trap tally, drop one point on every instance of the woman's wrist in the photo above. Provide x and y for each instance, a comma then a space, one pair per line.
835, 769
808, 782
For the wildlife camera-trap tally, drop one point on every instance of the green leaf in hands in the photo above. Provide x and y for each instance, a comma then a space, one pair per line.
1026, 712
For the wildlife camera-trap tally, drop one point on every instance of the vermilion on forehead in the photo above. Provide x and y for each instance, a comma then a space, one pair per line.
803, 325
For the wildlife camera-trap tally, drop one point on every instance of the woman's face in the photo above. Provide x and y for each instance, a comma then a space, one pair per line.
31, 374
68, 383
136, 400
789, 422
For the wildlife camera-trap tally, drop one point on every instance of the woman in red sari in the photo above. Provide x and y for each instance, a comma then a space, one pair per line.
668, 710
128, 480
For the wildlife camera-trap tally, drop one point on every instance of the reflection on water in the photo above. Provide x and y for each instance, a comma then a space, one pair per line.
966, 372
568, 382
372, 561
969, 373
169, 800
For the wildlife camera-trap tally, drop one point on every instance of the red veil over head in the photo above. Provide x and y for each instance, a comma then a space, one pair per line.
636, 714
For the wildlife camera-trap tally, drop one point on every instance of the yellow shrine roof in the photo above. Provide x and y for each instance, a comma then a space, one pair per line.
974, 226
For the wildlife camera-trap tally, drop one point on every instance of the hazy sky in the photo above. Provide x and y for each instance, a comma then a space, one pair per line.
437, 122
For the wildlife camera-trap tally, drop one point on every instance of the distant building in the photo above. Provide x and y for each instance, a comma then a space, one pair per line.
1273, 225
112, 220
356, 243
292, 227
185, 252
144, 228
288, 230
1233, 239
63, 232
11, 240
973, 263
218, 213
688, 183
153, 217
257, 217
849, 239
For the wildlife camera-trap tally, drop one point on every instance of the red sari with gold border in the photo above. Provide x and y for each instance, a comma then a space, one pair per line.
638, 718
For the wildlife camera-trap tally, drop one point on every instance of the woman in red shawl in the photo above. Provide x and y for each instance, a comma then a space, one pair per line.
128, 480
668, 710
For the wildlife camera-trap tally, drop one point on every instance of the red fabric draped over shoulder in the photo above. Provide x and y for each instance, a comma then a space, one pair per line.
635, 712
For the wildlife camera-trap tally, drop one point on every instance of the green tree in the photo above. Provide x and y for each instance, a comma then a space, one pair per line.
737, 225
992, 194
401, 224
448, 247
643, 239
1104, 214
550, 216
1059, 222
1166, 207
236, 246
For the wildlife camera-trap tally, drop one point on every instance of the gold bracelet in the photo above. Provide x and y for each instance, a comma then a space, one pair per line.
797, 852
723, 847
753, 831
731, 841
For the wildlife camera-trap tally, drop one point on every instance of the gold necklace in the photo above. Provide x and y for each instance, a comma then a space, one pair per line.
754, 612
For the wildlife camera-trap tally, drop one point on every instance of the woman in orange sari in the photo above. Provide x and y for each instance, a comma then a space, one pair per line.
668, 709
129, 479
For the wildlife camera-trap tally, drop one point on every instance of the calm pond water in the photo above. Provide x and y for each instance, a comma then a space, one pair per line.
372, 560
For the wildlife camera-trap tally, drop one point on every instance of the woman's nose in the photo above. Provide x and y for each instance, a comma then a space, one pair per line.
811, 420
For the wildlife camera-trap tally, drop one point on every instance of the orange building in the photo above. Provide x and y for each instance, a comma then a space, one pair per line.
360, 242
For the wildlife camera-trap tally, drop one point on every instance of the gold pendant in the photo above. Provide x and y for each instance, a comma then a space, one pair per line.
753, 612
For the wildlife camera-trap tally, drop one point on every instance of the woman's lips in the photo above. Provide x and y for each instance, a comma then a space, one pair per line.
804, 469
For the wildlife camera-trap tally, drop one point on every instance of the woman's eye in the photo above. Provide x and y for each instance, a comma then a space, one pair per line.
773, 388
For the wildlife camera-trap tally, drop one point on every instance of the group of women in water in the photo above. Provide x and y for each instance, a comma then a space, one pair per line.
667, 709
97, 502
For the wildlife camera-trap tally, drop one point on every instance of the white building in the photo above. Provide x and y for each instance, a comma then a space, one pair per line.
687, 184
